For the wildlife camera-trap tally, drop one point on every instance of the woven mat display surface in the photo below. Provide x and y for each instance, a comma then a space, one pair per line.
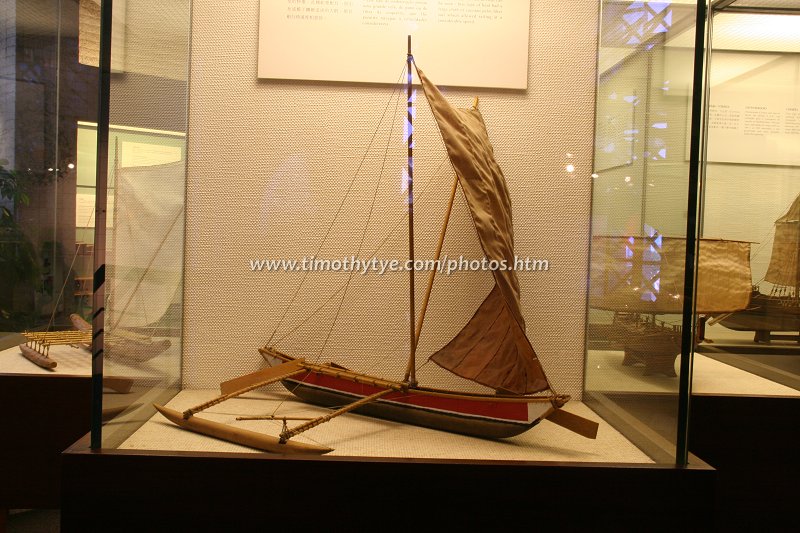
360, 436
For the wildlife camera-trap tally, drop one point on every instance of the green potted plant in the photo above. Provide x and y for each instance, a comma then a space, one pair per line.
19, 264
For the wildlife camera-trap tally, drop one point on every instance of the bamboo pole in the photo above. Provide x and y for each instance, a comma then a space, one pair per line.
438, 255
289, 433
59, 337
274, 417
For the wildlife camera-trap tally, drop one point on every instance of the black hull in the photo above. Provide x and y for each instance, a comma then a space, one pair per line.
766, 314
445, 421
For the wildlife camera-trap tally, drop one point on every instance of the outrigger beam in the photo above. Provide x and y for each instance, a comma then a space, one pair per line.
289, 433
238, 386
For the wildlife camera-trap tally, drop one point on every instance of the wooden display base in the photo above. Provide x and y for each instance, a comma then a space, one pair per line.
41, 416
249, 491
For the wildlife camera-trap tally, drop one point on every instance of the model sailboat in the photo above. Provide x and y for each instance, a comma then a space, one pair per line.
492, 349
140, 265
642, 277
780, 309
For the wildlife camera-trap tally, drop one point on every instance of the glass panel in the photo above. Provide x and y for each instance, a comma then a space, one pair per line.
145, 215
752, 190
45, 252
639, 219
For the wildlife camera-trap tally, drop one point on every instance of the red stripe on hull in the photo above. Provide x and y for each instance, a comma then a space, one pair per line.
511, 411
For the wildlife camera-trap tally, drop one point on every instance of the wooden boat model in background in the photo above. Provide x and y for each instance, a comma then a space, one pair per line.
129, 344
780, 309
642, 277
492, 349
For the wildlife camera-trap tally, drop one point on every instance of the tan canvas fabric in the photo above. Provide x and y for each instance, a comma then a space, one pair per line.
492, 349
646, 274
785, 248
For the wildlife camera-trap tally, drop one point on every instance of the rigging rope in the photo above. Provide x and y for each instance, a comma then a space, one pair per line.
339, 209
394, 96
366, 227
66, 279
389, 234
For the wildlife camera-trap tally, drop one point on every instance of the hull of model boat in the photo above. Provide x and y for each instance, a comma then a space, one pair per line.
656, 346
37, 358
419, 410
475, 415
766, 313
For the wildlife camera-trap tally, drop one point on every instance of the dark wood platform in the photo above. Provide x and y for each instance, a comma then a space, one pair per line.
135, 490
41, 416
752, 442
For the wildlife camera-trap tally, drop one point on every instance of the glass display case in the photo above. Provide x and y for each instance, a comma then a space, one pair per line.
747, 363
46, 251
752, 183
298, 191
298, 194
48, 158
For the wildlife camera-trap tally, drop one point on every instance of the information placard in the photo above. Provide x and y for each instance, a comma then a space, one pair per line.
759, 128
468, 43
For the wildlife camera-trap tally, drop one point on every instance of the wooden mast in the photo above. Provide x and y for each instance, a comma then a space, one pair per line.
411, 371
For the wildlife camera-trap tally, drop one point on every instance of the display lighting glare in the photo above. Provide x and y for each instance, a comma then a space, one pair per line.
761, 32
570, 168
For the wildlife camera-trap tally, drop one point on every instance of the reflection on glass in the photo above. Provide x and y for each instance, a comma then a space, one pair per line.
44, 92
145, 212
640, 187
753, 188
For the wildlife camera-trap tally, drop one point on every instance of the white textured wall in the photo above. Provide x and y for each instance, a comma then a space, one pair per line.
270, 162
742, 201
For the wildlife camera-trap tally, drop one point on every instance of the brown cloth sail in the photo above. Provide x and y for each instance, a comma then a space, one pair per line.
492, 348
783, 264
646, 274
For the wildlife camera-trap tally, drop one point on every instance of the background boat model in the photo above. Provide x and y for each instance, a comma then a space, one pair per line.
780, 309
641, 279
